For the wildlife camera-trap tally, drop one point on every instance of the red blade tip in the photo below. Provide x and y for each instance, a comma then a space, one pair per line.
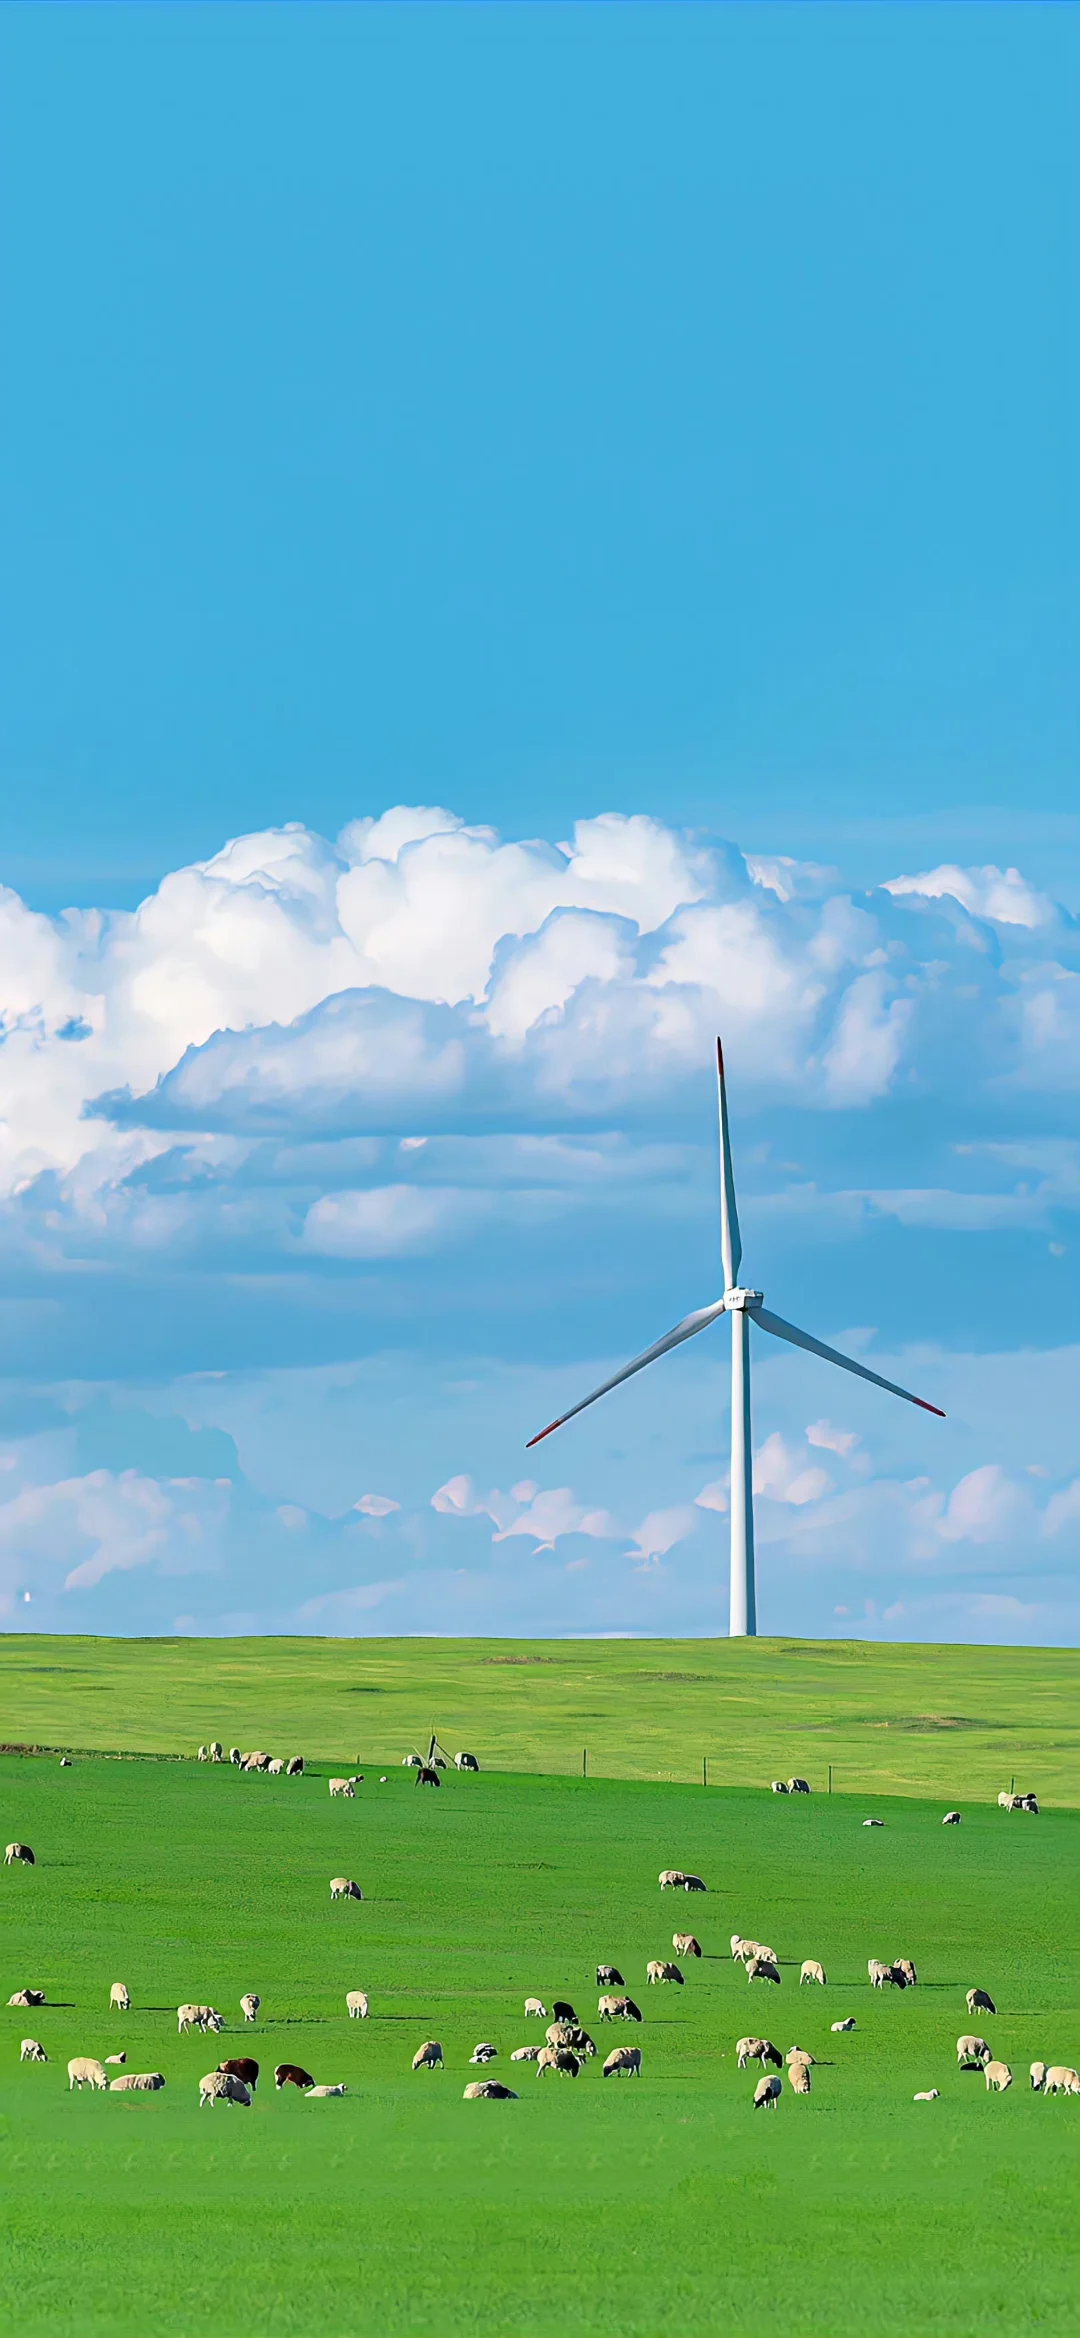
927, 1408
544, 1433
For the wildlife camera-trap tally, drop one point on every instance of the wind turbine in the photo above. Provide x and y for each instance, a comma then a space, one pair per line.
743, 1306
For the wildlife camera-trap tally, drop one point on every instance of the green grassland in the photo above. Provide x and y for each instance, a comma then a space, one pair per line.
586, 2207
902, 1720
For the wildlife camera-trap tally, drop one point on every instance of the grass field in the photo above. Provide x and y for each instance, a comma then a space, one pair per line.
586, 2207
916, 1720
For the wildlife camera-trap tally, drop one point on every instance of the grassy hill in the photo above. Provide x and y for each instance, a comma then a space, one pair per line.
903, 1720
587, 2207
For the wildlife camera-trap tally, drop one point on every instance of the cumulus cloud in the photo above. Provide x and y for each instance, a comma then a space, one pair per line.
74, 1532
784, 1474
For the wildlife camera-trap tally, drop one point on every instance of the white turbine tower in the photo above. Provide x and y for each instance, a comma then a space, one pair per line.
743, 1306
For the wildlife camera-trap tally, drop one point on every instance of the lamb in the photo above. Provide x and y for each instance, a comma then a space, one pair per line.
609, 1976
930, 2096
972, 2053
757, 2050
951, 1819
19, 1851
658, 1970
242, 2067
798, 1786
1037, 2075
31, 2051
684, 1944
295, 1768
534, 2006
220, 2086
83, 2070
623, 2062
561, 2059
27, 1997
998, 2076
429, 2057
483, 2053
342, 1786
137, 2082
979, 2002
762, 1968
292, 2074
249, 2005
812, 1971
799, 2075
119, 1999
356, 2004
1061, 2080
342, 1887
837, 2026
115, 2060
322, 2092
488, 2090
619, 2009
873, 1822
766, 2094
671, 1879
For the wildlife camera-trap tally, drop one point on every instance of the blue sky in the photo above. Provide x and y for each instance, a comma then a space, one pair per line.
536, 534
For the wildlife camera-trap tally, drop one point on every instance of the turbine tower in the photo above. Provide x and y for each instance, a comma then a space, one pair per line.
743, 1306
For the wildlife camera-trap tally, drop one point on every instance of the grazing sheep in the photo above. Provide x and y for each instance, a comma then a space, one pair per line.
484, 2053
215, 1751
526, 2053
671, 1879
241, 2066
693, 1883
658, 1969
295, 1768
31, 2051
812, 1971
930, 2096
619, 2009
119, 1999
837, 2026
429, 2056
798, 1786
561, 2010
356, 2004
65, 1762
561, 2059
1060, 2079
235, 1756
560, 2033
219, 2086
27, 1997
972, 2053
748, 1949
411, 1762
1037, 2075
83, 2070
903, 1965
203, 1754
197, 2017
275, 1768
343, 1888
534, 2006
249, 2005
761, 1968
488, 2090
879, 1973
20, 1851
342, 1786
951, 1819
257, 1761
582, 2044
766, 2094
778, 1786
798, 2054
757, 2050
684, 1944
465, 1761
737, 1946
998, 2076
321, 2092
291, 2074
1030, 1802
979, 2002
799, 2075
623, 2062
138, 2082
608, 1977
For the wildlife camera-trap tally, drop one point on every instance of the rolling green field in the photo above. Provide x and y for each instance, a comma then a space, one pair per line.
914, 1720
662, 2206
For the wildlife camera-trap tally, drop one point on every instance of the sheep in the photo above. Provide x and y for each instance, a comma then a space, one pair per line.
903, 1964
526, 2053
561, 2059
748, 1949
483, 2053
766, 2094
119, 2000
295, 1768
1030, 1802
197, 2017
658, 1970
235, 1756
343, 1888
32, 2051
292, 2074
343, 1786
951, 1819
114, 2060
873, 1822
623, 2062
693, 1883
812, 1971
249, 2005
609, 1977
138, 2082
466, 1761
778, 1786
220, 2086
203, 1754
429, 2056
488, 2090
737, 1946
274, 1769
27, 1997
838, 2026
979, 2002
534, 2006
582, 2044
257, 1761
561, 2010
411, 1762
560, 2033
619, 2009
1009, 1801
757, 2050
684, 1944
799, 2075
215, 1750
972, 2053
241, 2066
21, 1852
1037, 2075
761, 1968
1060, 2079
65, 1762
879, 1974
798, 1786
321, 2092
671, 1879
83, 2070
930, 2096
356, 2004
998, 2076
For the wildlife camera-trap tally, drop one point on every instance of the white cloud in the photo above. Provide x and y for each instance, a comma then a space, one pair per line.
376, 1505
715, 1496
72, 1533
661, 1530
986, 1506
783, 1474
1001, 895
822, 1433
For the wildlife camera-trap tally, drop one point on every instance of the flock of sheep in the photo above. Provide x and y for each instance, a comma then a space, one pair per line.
567, 2045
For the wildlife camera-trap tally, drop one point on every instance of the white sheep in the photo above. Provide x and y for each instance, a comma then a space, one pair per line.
799, 2075
119, 2000
561, 2059
429, 2057
295, 1768
970, 2051
32, 2051
323, 2091
1037, 2075
203, 1754
343, 1888
951, 1819
798, 1786
222, 2086
249, 2005
778, 1786
930, 2095
341, 1786
83, 2070
534, 2006
812, 1971
526, 2053
137, 2082
838, 2026
671, 1879
623, 2062
658, 1969
1060, 2079
767, 2093
356, 2004
484, 2053
998, 2076
215, 1751
761, 1968
275, 1768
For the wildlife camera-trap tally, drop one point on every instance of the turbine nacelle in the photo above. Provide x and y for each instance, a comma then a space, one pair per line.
737, 1299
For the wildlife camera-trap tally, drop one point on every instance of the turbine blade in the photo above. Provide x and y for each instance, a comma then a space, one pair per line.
672, 1339
817, 1347
730, 1237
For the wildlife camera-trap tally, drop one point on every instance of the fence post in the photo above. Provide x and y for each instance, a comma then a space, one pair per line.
584, 1761
830, 1777
704, 1769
